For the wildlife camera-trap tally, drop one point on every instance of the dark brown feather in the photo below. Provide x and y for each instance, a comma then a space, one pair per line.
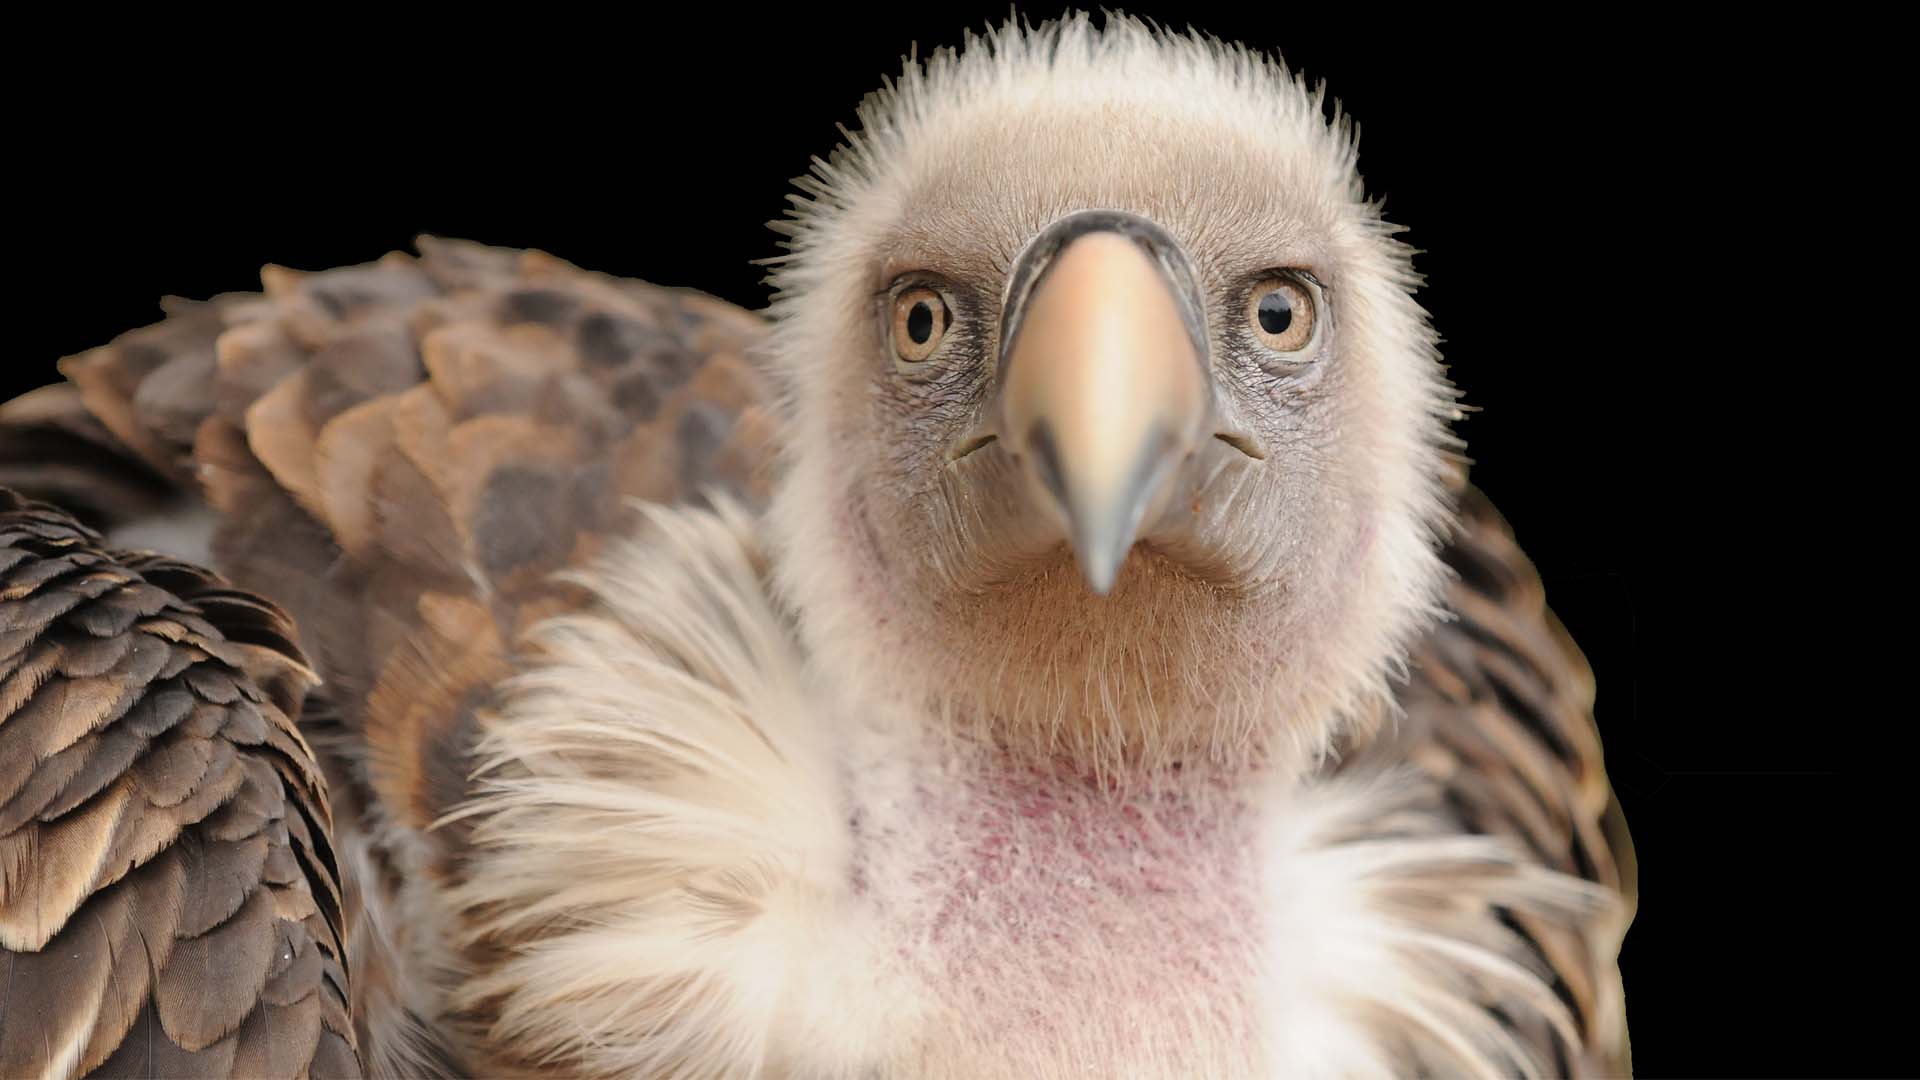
1499, 714
152, 884
52, 445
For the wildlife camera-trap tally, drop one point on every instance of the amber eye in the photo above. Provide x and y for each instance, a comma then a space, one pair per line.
919, 322
1280, 312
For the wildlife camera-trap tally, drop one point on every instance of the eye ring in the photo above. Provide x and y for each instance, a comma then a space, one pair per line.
920, 322
1282, 313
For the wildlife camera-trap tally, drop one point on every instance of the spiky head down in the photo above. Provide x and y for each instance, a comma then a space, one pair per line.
1285, 560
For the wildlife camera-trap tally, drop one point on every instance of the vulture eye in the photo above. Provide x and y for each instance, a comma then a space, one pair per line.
919, 322
1280, 311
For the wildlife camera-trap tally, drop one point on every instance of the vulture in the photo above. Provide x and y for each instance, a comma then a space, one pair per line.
1057, 638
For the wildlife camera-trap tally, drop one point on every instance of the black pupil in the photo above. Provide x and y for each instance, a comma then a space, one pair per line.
920, 322
1276, 312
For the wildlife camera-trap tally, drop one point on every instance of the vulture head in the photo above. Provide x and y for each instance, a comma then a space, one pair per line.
1117, 434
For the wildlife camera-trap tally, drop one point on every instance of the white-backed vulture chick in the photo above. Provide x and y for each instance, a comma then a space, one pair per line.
1117, 677
1114, 474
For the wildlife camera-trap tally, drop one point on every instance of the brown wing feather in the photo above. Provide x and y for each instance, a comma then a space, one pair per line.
51, 445
402, 455
1499, 713
169, 900
404, 452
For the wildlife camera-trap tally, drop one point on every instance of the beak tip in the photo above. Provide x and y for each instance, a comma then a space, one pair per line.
1101, 582
1100, 565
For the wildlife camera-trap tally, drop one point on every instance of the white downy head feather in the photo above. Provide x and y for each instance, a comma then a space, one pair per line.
963, 159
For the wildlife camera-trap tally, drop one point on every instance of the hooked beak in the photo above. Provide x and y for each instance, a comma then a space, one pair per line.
1103, 378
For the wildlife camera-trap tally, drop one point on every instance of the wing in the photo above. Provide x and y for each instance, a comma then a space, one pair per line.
169, 901
402, 455
1499, 716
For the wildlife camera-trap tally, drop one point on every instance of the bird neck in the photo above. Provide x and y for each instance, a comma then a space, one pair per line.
992, 874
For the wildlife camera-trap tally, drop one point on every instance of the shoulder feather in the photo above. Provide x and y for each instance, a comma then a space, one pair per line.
1498, 721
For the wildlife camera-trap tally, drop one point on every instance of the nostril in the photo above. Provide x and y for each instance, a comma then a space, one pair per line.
1242, 443
1046, 460
970, 445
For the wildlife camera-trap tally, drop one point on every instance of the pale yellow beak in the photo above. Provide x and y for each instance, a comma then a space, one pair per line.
1103, 394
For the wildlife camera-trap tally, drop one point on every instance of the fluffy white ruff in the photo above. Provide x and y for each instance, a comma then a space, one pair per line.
667, 881
1385, 943
658, 841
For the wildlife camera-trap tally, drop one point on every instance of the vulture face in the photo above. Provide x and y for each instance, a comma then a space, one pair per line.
1119, 435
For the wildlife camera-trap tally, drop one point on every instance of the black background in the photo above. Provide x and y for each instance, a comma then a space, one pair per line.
1557, 175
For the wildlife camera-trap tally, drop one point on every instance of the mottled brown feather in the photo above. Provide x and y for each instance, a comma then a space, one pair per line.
1499, 715
402, 455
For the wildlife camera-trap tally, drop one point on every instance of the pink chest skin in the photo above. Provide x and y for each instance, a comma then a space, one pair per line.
1047, 908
